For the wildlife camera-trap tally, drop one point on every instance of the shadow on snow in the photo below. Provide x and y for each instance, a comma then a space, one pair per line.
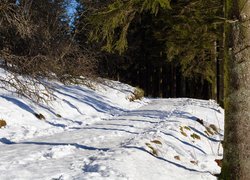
163, 159
79, 146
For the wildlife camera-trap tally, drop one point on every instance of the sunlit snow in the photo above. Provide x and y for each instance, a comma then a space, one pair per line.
99, 134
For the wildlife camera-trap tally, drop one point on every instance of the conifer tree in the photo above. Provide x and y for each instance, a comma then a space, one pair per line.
111, 24
186, 30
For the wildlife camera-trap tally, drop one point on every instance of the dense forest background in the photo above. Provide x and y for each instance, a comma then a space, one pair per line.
169, 49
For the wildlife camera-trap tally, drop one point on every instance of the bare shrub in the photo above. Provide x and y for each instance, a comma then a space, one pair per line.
27, 75
16, 17
32, 51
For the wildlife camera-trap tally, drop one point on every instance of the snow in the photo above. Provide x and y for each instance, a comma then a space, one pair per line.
97, 133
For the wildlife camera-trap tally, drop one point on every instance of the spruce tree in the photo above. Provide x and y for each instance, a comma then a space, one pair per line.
186, 30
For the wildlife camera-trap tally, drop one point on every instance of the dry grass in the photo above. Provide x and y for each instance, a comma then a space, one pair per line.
2, 123
177, 158
152, 149
39, 116
156, 142
210, 132
212, 126
138, 94
182, 131
187, 128
184, 134
195, 136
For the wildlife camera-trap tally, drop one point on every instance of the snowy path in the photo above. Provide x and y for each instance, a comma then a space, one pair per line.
120, 147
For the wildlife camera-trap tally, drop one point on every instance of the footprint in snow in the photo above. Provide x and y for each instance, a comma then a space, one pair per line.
59, 152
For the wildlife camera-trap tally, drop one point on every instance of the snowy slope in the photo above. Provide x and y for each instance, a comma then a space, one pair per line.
100, 134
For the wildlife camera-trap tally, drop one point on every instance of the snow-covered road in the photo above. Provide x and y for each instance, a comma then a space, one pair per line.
155, 141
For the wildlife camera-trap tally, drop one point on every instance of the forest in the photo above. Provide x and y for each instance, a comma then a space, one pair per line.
168, 48
168, 51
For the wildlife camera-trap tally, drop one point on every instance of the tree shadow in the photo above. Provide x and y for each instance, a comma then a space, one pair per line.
79, 146
63, 125
184, 142
163, 159
73, 106
204, 135
56, 124
112, 86
154, 114
122, 125
131, 120
98, 105
105, 129
82, 91
6, 141
185, 115
18, 103
24, 106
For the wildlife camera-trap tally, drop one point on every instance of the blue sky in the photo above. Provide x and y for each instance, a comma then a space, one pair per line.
72, 7
71, 10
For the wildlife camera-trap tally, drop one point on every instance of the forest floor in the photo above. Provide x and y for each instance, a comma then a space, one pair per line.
98, 133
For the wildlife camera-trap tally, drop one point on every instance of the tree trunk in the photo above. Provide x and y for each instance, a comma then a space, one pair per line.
215, 79
160, 80
220, 70
236, 162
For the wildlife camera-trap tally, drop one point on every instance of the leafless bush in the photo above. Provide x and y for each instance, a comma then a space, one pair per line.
27, 74
31, 54
17, 17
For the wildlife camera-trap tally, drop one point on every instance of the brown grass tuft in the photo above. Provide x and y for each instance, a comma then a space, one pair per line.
195, 136
177, 158
39, 116
138, 94
2, 123
156, 142
212, 126
153, 150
